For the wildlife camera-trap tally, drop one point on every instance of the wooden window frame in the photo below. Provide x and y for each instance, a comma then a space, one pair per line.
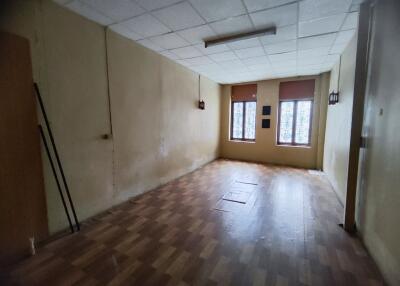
293, 143
243, 123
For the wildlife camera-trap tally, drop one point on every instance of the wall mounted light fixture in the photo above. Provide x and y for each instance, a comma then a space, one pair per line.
202, 104
333, 98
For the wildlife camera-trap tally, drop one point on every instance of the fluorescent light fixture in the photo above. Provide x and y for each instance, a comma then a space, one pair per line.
243, 36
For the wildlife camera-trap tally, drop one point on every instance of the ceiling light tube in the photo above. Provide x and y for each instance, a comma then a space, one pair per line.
243, 36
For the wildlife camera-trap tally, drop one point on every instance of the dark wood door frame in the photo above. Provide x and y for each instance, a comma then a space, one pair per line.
357, 113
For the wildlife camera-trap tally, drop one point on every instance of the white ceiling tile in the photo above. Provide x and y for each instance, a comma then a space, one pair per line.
317, 49
124, 31
282, 34
238, 71
285, 69
156, 4
282, 57
260, 67
213, 10
308, 71
312, 9
235, 64
316, 41
187, 52
149, 44
351, 21
224, 56
254, 5
321, 25
209, 68
88, 12
344, 36
282, 47
215, 73
263, 60
280, 16
285, 63
117, 10
309, 67
250, 52
146, 25
338, 48
179, 16
248, 43
169, 55
203, 60
261, 74
311, 53
198, 34
232, 25
244, 77
311, 61
169, 41
212, 49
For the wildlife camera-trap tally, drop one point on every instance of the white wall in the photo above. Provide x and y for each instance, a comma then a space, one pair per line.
338, 121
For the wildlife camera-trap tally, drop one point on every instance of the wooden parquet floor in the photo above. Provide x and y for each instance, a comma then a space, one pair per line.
228, 223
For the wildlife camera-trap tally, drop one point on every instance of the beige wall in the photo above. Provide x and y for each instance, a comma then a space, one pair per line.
68, 54
265, 149
338, 121
153, 105
159, 133
378, 212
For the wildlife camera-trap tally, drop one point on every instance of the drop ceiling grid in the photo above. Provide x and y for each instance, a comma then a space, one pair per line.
174, 28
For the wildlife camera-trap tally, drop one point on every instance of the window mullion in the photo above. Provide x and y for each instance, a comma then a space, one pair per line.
294, 122
244, 119
310, 116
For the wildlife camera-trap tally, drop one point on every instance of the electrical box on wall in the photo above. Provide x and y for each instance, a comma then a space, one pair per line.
266, 123
266, 110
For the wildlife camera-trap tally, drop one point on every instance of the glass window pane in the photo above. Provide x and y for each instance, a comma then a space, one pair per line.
303, 118
286, 122
250, 121
237, 131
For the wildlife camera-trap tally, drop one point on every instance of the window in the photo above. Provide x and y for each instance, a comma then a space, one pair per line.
295, 122
243, 120
243, 112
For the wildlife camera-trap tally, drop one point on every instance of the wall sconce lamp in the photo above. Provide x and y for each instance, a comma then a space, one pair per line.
333, 98
202, 104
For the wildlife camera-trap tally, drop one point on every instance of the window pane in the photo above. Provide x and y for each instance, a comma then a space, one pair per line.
237, 131
303, 122
250, 121
286, 122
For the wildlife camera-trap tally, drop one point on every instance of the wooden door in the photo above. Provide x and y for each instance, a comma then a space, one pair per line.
23, 211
